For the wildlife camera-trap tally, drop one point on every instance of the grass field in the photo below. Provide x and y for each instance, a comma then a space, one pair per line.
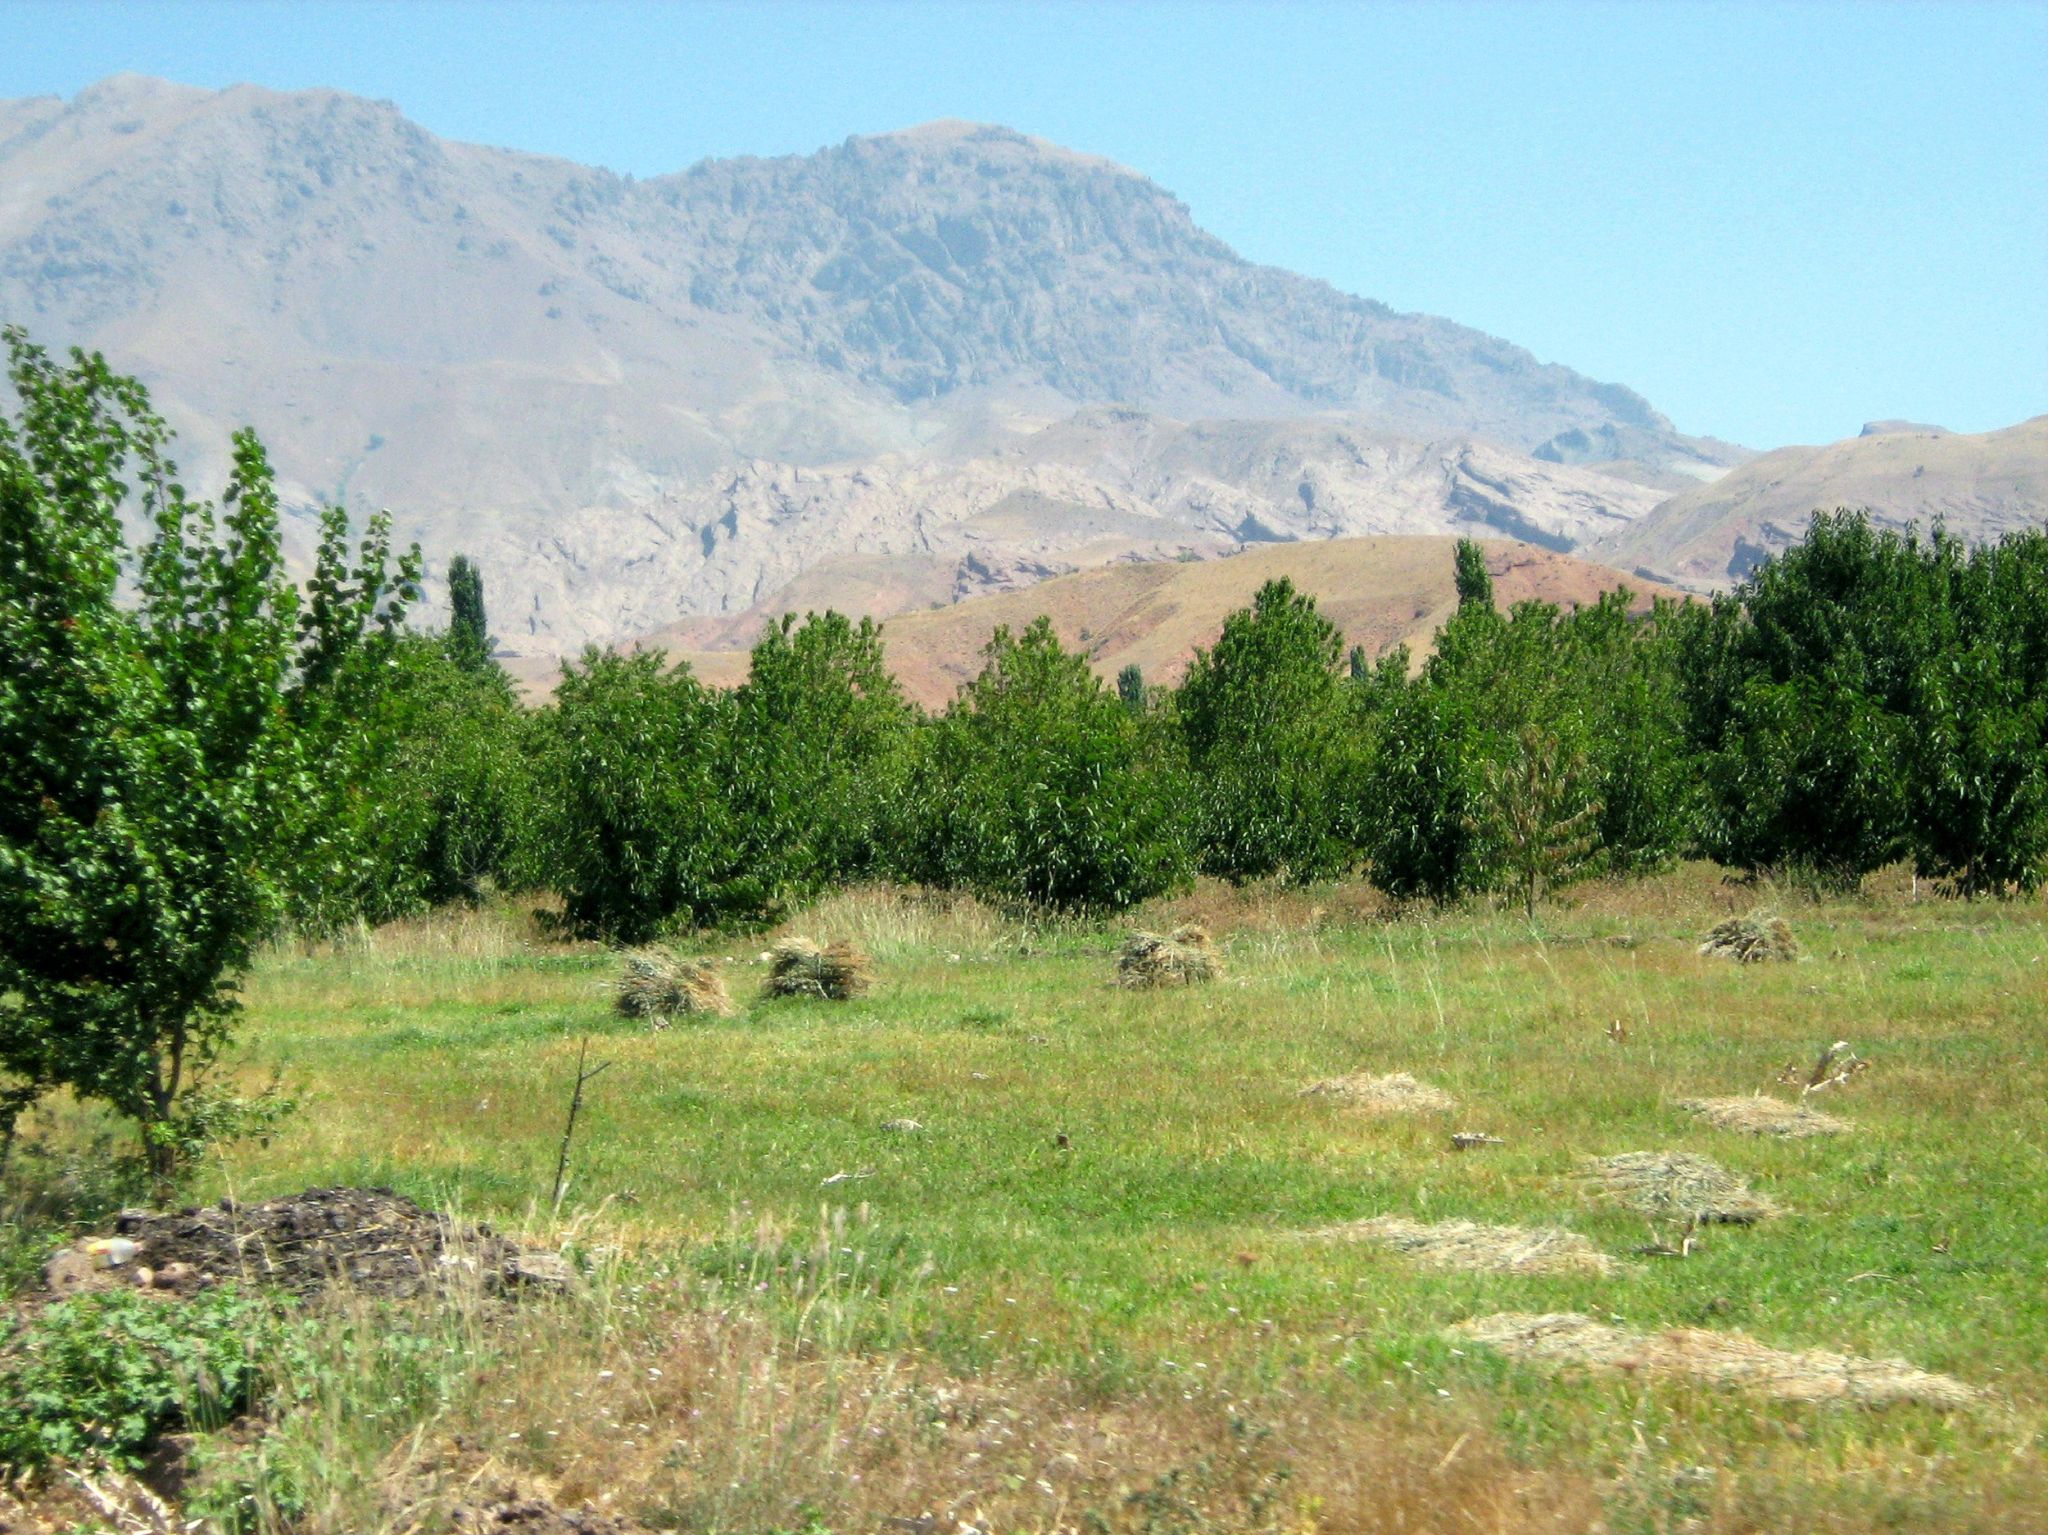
1088, 1293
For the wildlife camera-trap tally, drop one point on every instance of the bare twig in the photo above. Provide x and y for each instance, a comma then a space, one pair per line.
583, 1078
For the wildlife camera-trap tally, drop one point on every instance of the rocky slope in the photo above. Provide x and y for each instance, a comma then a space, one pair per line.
640, 400
1981, 484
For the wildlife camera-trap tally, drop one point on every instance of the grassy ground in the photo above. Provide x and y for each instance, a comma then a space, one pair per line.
1136, 1328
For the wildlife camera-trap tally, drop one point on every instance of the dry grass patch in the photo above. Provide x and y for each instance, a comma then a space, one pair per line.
1397, 1093
1679, 1185
1566, 1339
1751, 939
660, 986
797, 967
1180, 958
1481, 1249
1758, 1115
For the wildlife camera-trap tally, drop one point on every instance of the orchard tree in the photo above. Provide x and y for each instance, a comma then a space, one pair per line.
630, 821
1270, 739
813, 746
1038, 785
150, 807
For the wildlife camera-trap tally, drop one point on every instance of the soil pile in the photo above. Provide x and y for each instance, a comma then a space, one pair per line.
371, 1241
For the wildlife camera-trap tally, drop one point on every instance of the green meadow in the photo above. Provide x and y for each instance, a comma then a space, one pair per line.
1110, 1222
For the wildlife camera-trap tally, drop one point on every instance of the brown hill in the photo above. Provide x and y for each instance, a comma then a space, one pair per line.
1380, 591
1982, 485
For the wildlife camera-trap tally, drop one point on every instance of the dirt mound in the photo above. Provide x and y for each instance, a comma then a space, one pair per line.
1180, 958
1758, 1115
1398, 1093
1481, 1249
1565, 1339
535, 1516
1680, 1186
372, 1241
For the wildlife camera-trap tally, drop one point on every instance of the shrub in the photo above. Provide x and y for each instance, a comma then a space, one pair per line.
99, 1376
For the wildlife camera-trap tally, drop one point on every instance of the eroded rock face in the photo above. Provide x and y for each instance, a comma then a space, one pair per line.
614, 393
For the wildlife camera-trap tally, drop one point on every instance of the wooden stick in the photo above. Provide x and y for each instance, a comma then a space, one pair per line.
575, 1108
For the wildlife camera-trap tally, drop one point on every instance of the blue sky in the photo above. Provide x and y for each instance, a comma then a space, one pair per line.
1776, 221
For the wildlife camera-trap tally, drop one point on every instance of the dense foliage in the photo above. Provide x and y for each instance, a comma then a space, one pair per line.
197, 753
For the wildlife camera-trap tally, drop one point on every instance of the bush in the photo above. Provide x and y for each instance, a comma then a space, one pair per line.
99, 1376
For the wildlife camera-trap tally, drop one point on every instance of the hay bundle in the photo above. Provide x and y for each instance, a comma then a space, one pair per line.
1566, 1339
1751, 939
661, 986
1397, 1093
799, 968
1180, 958
1481, 1249
1679, 1186
1758, 1115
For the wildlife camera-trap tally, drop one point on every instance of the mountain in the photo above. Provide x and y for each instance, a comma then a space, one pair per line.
641, 400
1981, 484
1384, 591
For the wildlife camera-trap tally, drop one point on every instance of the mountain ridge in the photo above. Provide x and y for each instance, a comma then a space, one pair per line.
582, 378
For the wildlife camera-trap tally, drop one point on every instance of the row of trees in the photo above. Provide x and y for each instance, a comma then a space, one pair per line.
197, 752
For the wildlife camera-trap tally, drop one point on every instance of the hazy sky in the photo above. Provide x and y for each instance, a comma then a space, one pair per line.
1776, 221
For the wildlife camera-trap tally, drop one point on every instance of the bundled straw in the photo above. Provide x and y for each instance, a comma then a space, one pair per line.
1563, 1340
1181, 958
1482, 1249
1397, 1093
1750, 939
1677, 1185
661, 986
797, 967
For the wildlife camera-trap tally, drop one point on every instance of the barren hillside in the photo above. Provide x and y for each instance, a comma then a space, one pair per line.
1381, 592
1983, 485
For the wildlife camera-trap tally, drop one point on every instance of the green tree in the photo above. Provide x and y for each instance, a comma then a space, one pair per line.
1979, 712
1130, 688
814, 746
1536, 815
630, 822
348, 712
154, 774
1807, 707
452, 791
1474, 582
469, 635
1038, 785
1277, 763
